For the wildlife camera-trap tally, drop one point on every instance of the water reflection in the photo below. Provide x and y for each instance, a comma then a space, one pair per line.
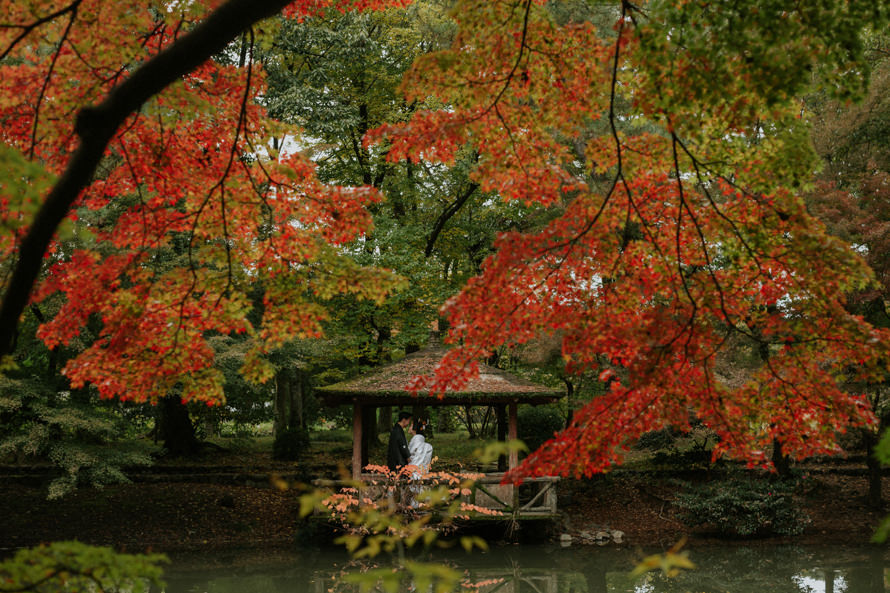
543, 569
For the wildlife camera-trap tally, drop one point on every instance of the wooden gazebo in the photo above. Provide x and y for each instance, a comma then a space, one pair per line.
386, 387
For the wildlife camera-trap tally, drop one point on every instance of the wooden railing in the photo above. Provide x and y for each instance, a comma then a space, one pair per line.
535, 498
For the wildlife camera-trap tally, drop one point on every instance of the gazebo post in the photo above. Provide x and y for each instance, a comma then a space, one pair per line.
512, 434
502, 434
357, 440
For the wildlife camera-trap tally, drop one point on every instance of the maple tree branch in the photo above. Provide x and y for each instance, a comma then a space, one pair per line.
123, 69
522, 47
27, 29
446, 215
255, 184
46, 79
613, 128
97, 125
735, 230
678, 237
508, 78
697, 164
242, 123
619, 173
221, 186
613, 84
139, 193
519, 161
675, 142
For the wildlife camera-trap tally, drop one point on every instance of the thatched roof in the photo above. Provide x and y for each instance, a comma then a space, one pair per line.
386, 386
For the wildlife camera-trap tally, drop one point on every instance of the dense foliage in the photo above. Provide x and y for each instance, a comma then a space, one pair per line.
743, 506
538, 424
291, 444
72, 566
669, 136
645, 164
81, 439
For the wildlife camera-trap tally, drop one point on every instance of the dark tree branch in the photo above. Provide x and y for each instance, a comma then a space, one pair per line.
446, 215
27, 29
97, 125
47, 78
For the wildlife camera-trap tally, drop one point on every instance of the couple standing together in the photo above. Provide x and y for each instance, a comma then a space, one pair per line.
418, 452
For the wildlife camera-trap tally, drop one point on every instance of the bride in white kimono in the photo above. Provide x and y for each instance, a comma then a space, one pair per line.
421, 452
421, 456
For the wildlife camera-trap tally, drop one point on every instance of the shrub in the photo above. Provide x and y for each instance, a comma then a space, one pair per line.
73, 566
675, 459
290, 444
744, 507
657, 439
80, 436
537, 425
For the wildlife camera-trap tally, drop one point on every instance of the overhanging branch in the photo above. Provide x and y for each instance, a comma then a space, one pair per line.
97, 125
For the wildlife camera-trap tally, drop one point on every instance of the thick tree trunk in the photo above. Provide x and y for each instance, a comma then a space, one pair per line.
468, 421
297, 393
288, 404
502, 434
175, 428
875, 469
781, 461
368, 414
384, 420
445, 420
211, 422
281, 405
485, 427
874, 465
570, 393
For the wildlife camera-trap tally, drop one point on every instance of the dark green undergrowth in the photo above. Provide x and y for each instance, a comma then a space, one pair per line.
743, 506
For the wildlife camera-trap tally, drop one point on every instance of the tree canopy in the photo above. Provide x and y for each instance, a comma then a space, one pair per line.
195, 216
683, 225
663, 140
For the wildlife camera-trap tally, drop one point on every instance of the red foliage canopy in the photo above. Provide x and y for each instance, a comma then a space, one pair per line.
192, 213
673, 158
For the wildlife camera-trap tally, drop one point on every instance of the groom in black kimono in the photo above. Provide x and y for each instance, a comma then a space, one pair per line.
398, 454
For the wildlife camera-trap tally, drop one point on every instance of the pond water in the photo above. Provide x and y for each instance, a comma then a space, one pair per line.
548, 569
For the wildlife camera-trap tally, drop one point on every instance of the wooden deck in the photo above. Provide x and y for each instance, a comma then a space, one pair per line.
534, 499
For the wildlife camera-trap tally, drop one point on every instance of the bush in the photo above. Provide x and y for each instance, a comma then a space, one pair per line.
80, 436
675, 459
291, 444
657, 439
537, 425
73, 566
743, 507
